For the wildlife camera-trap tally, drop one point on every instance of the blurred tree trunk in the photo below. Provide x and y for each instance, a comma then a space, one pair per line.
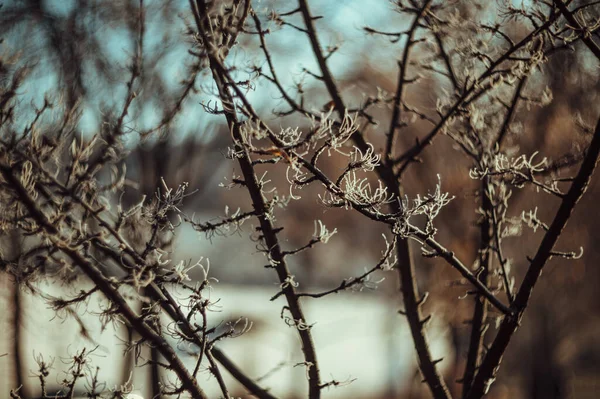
17, 321
128, 359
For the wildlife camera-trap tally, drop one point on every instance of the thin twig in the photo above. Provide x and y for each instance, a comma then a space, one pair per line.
489, 366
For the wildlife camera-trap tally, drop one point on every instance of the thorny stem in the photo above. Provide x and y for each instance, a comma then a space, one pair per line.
406, 272
511, 111
585, 36
469, 95
100, 281
406, 265
189, 383
159, 294
492, 211
487, 371
447, 255
446, 58
491, 363
500, 255
386, 171
451, 258
240, 375
403, 67
261, 208
478, 321
163, 297
348, 283
174, 311
215, 371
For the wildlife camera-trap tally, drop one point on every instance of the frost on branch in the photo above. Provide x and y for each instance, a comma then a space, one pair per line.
502, 164
518, 171
322, 234
428, 206
358, 192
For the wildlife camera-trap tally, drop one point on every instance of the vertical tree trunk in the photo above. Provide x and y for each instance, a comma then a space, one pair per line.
17, 322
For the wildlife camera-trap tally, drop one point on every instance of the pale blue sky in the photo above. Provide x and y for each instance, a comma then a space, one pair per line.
342, 24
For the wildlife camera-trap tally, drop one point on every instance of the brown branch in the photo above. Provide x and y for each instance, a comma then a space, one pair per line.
239, 375
470, 94
406, 265
501, 259
478, 321
511, 111
214, 369
350, 282
261, 208
451, 258
447, 61
491, 362
585, 36
189, 383
402, 66
274, 78
159, 294
103, 284
172, 308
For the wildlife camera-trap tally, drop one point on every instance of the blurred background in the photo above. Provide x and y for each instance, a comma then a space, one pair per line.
80, 51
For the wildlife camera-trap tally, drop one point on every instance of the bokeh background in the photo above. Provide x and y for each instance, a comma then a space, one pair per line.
80, 50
